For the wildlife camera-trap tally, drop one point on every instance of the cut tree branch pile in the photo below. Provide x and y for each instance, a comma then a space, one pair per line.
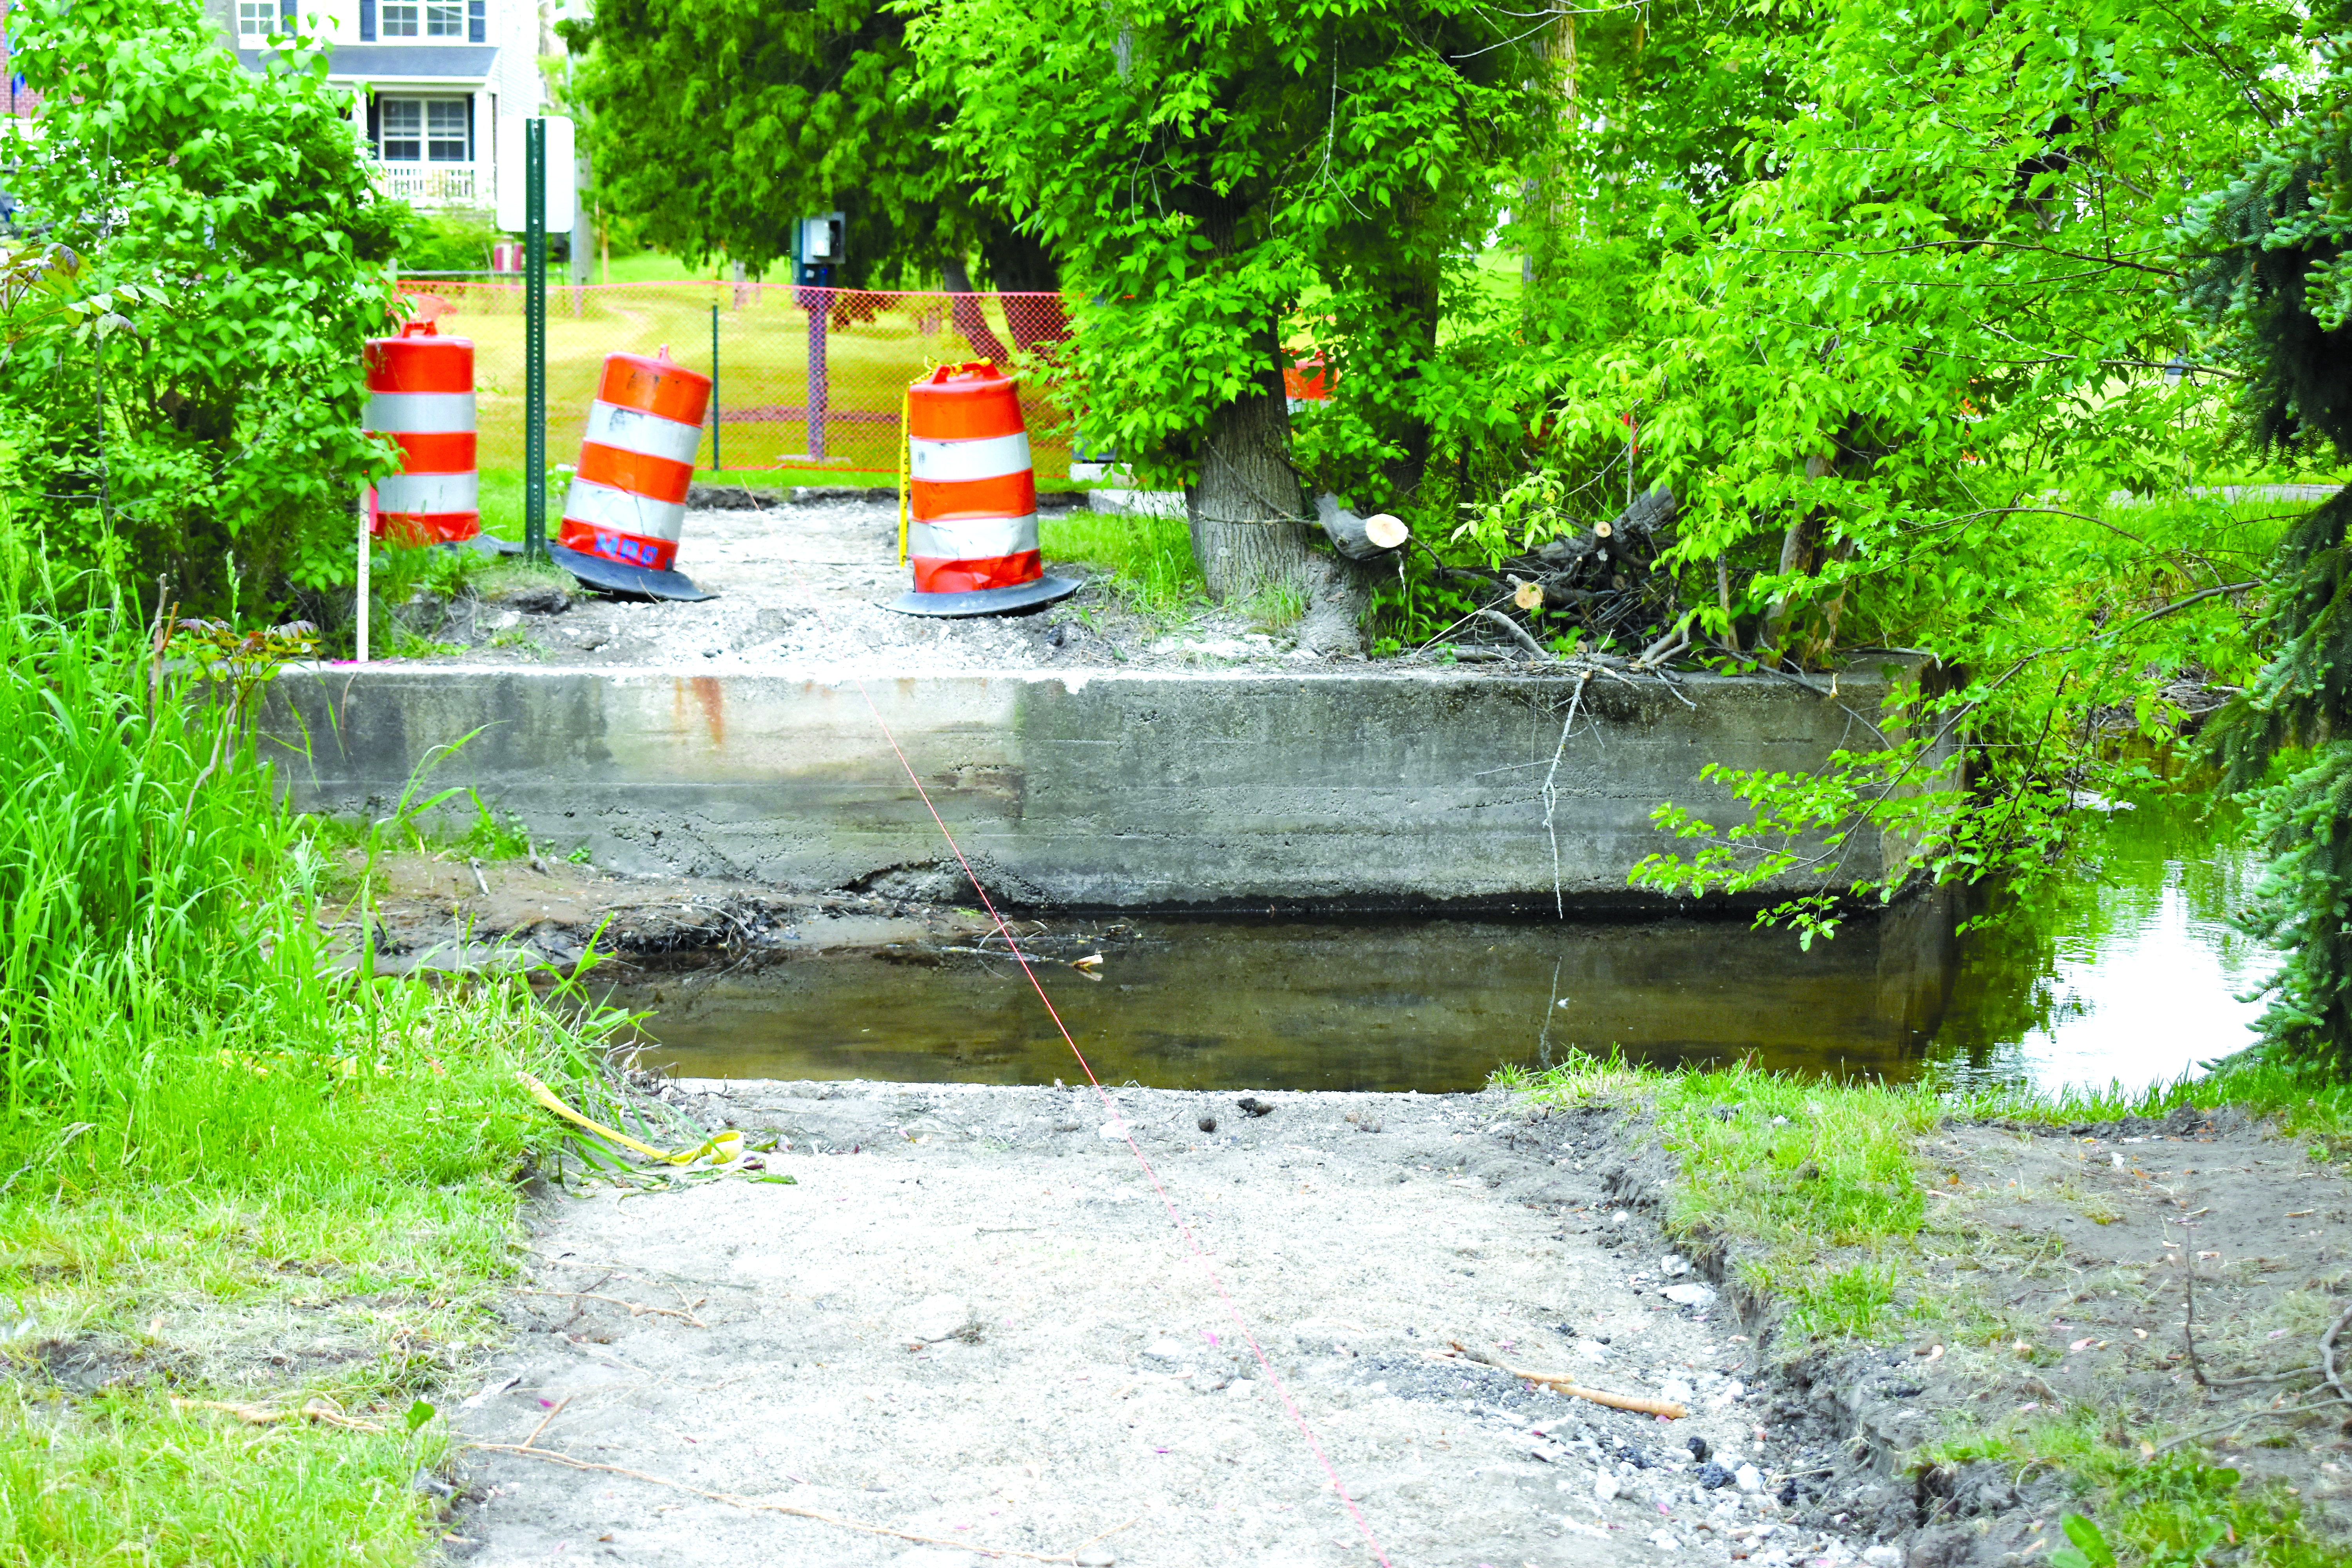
1604, 579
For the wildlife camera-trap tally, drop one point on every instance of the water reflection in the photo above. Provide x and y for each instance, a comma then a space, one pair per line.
2125, 969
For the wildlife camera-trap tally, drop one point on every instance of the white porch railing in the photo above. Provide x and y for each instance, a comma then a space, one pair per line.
435, 185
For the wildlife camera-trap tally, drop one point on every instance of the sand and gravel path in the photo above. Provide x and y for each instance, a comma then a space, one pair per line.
972, 1320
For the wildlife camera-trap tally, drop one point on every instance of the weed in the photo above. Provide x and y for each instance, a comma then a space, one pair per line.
1148, 556
216, 1145
1850, 1301
1276, 607
2164, 1510
1823, 1183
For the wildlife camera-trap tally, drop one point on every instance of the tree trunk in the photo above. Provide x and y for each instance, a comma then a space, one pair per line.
1246, 514
964, 312
1244, 506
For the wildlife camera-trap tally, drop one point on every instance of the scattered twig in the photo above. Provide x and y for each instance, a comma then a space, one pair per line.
1674, 644
2263, 1377
526, 1451
1570, 1386
2232, 1424
317, 1410
1520, 633
2189, 1322
1086, 966
2327, 1356
552, 1414
686, 1314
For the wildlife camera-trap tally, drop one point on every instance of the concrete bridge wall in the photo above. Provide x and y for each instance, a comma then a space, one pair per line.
1372, 788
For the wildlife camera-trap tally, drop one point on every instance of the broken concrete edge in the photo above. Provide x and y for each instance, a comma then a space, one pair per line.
1341, 790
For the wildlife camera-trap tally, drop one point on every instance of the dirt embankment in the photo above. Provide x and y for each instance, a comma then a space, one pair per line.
2152, 1286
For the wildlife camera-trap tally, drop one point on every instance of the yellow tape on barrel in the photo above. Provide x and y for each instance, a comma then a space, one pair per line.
906, 447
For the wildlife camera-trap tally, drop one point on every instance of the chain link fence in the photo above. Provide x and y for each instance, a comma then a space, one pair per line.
806, 378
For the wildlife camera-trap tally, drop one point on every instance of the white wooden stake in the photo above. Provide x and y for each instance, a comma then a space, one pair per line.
364, 496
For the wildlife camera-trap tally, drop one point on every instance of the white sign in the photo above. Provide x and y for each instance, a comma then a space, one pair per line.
562, 200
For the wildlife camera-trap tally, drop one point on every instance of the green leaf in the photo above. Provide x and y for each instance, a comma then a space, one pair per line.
2092, 1545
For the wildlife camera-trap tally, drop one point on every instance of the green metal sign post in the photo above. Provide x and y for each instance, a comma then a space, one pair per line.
534, 340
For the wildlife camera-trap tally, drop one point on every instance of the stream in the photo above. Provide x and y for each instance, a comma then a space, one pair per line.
2124, 969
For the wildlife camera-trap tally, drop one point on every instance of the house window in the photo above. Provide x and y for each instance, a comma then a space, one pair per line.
423, 18
423, 130
257, 18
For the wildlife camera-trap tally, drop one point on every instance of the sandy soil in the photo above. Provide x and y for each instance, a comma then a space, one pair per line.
972, 1320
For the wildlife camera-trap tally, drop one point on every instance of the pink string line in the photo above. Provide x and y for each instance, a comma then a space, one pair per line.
1151, 1175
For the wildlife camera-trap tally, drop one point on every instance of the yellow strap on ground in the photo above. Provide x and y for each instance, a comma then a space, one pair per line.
719, 1149
906, 461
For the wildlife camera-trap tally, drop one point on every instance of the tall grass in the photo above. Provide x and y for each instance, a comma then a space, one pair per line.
166, 986
216, 1129
1150, 557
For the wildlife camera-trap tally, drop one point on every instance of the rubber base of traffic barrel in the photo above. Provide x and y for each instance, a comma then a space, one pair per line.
617, 577
986, 601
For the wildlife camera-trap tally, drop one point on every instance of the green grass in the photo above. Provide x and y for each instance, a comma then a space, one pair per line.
230, 1169
2166, 1511
1149, 558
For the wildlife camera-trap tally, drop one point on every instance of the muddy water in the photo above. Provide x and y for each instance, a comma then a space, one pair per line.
2125, 969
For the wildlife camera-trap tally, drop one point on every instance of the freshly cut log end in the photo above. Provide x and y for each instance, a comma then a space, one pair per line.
1604, 530
1360, 538
1527, 597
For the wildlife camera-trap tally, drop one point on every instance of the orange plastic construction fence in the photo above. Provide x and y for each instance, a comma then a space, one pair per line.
806, 378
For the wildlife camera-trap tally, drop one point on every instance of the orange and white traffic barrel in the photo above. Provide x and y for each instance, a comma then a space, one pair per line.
972, 539
420, 389
627, 506
1306, 382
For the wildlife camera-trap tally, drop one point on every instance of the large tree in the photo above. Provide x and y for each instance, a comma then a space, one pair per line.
1895, 350
2274, 284
1227, 183
715, 124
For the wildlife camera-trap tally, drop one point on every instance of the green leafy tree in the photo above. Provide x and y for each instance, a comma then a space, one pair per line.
206, 423
2275, 287
716, 125
1894, 350
1221, 178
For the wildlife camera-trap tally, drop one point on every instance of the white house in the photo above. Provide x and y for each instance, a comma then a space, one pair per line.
444, 81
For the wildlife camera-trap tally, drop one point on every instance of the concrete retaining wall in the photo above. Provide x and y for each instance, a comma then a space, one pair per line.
1365, 788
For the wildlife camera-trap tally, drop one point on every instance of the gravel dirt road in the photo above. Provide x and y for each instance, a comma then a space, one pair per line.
973, 1320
